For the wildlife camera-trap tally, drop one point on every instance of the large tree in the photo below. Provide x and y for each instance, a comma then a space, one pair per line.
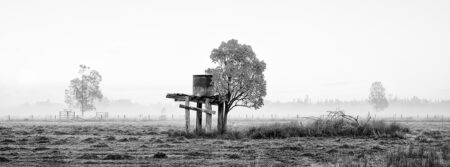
238, 77
377, 97
84, 90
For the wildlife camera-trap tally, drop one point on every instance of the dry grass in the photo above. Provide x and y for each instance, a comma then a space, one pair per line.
230, 135
317, 129
321, 128
336, 124
419, 157
88, 143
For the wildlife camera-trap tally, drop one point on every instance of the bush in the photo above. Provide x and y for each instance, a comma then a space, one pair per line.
320, 128
336, 124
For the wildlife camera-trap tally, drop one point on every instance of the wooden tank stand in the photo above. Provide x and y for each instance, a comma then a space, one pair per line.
200, 100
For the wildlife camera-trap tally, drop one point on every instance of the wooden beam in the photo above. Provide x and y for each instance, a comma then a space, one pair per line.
208, 117
197, 109
214, 100
199, 118
187, 115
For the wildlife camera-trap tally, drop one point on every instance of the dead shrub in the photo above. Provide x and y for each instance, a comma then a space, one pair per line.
337, 123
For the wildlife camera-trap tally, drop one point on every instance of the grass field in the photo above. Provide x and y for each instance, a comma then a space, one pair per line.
145, 143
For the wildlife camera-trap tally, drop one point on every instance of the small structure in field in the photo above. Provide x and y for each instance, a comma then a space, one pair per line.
163, 115
67, 114
101, 115
202, 94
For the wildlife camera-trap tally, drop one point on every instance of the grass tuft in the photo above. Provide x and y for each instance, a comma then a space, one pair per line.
420, 157
333, 125
326, 128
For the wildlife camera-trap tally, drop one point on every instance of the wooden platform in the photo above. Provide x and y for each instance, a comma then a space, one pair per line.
200, 100
213, 100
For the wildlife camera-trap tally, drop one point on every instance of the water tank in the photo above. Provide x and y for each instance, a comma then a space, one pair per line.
203, 85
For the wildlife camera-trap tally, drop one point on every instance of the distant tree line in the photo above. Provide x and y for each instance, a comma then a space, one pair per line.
392, 100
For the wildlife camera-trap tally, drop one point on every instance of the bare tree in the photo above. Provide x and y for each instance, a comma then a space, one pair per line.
84, 90
377, 97
238, 77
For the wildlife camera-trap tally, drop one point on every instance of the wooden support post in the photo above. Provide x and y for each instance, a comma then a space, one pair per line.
208, 117
220, 118
198, 127
187, 115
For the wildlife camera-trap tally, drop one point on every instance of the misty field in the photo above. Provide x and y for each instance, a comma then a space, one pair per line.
145, 143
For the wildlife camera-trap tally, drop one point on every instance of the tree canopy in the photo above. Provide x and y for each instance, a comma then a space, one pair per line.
84, 90
238, 77
377, 97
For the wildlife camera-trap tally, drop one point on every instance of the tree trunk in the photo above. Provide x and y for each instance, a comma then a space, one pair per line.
220, 118
82, 110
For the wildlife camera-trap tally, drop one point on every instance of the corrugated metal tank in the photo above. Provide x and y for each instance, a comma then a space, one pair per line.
203, 85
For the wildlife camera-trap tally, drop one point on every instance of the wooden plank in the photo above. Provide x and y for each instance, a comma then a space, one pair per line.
187, 115
214, 100
197, 109
208, 117
199, 118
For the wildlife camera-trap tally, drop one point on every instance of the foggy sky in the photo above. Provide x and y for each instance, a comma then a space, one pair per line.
145, 49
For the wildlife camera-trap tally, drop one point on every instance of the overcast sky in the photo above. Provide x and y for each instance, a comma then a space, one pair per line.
145, 49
